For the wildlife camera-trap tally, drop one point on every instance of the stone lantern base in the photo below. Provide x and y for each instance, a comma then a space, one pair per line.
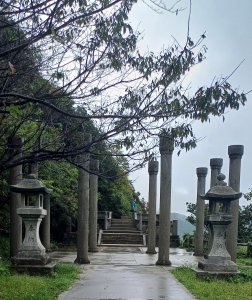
32, 257
34, 269
217, 264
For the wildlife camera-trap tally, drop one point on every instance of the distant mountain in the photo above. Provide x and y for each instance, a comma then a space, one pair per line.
183, 225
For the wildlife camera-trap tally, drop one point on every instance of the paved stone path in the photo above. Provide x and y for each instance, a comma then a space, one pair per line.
117, 273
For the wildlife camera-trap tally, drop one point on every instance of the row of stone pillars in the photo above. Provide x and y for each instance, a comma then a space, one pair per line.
235, 153
87, 206
166, 148
87, 209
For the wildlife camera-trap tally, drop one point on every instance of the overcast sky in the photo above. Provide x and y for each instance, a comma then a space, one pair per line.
228, 28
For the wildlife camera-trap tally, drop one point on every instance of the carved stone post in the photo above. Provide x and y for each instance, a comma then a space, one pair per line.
83, 209
235, 153
153, 170
15, 148
46, 223
200, 208
33, 169
94, 169
215, 165
166, 147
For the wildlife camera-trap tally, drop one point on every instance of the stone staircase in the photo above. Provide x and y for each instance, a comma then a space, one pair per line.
122, 232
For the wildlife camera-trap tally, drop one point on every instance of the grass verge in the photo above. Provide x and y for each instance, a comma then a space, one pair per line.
25, 287
232, 288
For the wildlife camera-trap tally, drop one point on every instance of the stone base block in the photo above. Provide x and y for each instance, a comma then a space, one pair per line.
214, 274
82, 261
151, 252
93, 250
218, 266
163, 263
34, 269
31, 260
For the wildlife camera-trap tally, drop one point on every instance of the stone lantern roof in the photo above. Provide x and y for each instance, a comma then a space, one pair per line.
221, 191
30, 185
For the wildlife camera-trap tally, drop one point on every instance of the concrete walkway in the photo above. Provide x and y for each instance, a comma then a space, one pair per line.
120, 273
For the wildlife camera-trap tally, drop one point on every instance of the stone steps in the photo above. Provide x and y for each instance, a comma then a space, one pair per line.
122, 232
122, 238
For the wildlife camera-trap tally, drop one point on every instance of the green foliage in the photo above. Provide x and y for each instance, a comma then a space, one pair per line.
242, 258
4, 247
61, 177
188, 241
191, 208
37, 287
245, 224
115, 195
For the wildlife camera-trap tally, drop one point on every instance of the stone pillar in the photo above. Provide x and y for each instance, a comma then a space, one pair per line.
200, 209
235, 153
15, 148
33, 169
166, 148
94, 169
215, 165
45, 225
174, 230
83, 211
153, 170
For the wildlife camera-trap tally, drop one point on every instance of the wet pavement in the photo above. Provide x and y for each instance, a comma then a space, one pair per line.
120, 273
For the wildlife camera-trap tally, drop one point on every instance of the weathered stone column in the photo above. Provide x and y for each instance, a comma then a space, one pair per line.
83, 209
166, 148
15, 148
215, 165
33, 169
94, 169
153, 170
235, 153
46, 223
200, 209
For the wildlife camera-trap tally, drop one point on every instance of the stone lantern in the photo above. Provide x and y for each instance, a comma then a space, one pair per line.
219, 260
31, 257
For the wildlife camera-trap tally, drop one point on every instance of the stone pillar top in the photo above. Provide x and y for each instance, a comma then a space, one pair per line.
153, 167
235, 151
166, 144
216, 163
201, 172
94, 165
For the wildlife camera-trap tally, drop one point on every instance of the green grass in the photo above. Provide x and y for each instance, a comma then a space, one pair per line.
25, 287
242, 258
232, 288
